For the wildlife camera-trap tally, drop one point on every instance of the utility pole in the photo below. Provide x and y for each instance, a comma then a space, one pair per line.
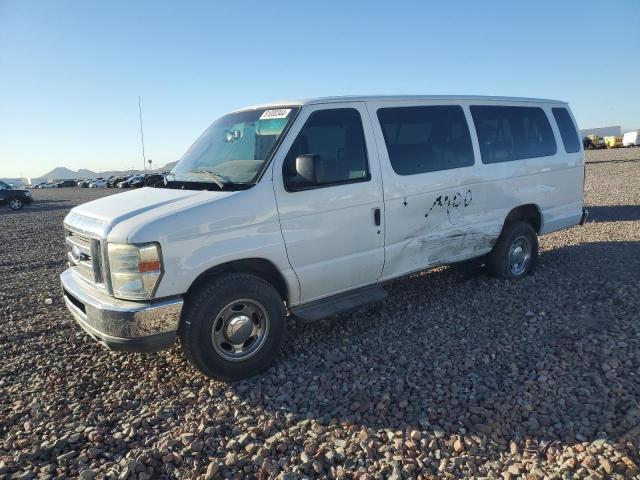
144, 160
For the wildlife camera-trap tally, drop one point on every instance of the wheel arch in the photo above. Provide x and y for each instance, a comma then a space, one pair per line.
259, 267
529, 212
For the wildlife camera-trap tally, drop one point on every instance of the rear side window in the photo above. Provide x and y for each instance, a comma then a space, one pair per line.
336, 138
567, 130
426, 139
512, 133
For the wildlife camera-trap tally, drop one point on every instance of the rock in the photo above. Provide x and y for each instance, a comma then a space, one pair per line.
396, 474
569, 464
212, 469
230, 459
536, 474
458, 446
415, 435
49, 301
515, 469
64, 459
629, 464
606, 465
87, 474
589, 462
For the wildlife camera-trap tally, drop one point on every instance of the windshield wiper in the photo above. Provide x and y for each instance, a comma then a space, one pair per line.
218, 179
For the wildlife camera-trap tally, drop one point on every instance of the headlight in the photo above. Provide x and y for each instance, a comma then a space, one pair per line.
27, 193
135, 270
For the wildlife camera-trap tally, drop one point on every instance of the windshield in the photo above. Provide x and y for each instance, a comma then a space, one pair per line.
4, 186
234, 149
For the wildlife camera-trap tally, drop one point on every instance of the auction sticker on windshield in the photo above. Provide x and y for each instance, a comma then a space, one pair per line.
276, 113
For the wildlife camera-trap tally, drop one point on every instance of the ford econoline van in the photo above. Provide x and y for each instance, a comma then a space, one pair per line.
307, 208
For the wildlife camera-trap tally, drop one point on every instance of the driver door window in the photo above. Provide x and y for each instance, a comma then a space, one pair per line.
335, 137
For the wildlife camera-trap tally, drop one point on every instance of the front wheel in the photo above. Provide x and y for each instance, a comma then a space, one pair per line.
233, 326
16, 204
515, 253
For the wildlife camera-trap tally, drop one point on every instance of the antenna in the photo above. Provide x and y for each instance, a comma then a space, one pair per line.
144, 160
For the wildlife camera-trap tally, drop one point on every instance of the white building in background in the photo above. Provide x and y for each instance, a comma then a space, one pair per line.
602, 131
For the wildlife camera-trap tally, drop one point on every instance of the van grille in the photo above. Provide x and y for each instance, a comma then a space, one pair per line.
83, 253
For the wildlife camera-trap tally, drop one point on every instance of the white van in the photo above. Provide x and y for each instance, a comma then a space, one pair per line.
631, 139
309, 207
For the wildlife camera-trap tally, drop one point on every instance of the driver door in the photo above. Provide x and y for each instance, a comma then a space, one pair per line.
333, 229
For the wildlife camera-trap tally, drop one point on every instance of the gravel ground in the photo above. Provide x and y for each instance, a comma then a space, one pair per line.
455, 375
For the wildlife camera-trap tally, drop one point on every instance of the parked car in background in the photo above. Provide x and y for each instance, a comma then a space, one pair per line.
147, 180
329, 199
113, 182
103, 183
154, 180
137, 182
16, 198
129, 181
66, 183
53, 184
631, 139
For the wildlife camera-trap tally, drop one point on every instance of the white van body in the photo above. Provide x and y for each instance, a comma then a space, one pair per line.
631, 139
318, 243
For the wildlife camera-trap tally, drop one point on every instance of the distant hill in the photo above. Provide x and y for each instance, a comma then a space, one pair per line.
63, 173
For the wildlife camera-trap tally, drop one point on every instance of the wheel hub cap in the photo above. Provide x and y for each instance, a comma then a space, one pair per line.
519, 255
239, 329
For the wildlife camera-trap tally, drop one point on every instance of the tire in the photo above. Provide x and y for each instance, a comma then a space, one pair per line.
515, 254
16, 203
212, 317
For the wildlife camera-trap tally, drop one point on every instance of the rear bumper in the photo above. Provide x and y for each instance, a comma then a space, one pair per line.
119, 324
585, 214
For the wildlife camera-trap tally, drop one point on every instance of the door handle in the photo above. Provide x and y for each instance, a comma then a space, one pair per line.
376, 216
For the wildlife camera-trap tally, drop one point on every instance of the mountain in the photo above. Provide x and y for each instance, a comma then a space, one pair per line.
63, 173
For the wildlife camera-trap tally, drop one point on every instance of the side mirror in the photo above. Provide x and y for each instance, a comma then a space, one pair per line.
306, 167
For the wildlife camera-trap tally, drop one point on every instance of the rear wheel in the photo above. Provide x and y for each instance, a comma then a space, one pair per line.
515, 253
16, 204
233, 326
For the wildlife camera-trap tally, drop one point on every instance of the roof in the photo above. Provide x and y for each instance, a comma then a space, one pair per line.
391, 98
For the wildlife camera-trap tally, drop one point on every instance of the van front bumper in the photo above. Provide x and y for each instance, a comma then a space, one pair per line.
120, 324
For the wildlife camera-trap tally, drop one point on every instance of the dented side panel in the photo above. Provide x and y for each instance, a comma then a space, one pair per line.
440, 217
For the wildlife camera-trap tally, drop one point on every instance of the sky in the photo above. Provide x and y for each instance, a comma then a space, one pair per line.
71, 71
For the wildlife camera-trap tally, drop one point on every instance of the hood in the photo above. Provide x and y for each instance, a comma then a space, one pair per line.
123, 206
